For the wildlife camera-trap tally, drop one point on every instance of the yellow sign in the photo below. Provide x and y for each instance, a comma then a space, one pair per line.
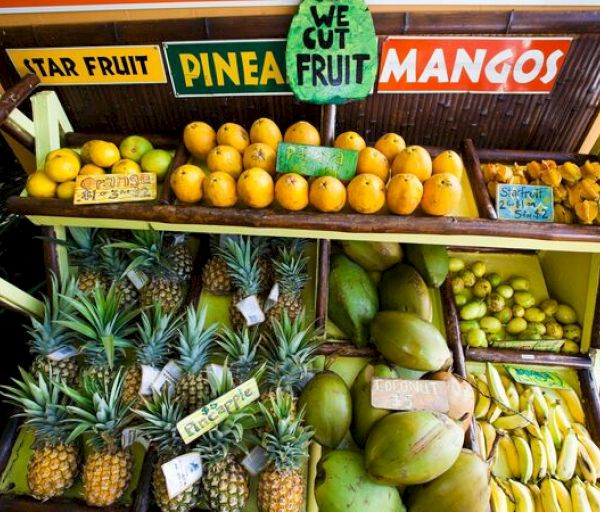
115, 188
91, 65
209, 416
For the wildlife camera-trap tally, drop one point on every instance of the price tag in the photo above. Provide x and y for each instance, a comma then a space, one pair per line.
532, 203
115, 188
170, 374
149, 376
272, 298
316, 160
543, 345
182, 472
539, 378
63, 353
410, 395
130, 436
137, 278
250, 309
256, 460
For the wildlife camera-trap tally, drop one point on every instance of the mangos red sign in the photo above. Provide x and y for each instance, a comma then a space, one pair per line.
471, 64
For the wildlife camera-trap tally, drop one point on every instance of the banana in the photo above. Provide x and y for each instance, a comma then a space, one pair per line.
567, 460
553, 425
519, 432
523, 497
562, 419
532, 427
496, 387
585, 465
505, 486
511, 456
573, 403
525, 458
593, 494
498, 499
590, 447
540, 460
524, 399
489, 434
549, 498
512, 394
579, 497
513, 421
580, 430
494, 413
537, 497
539, 404
480, 439
483, 398
550, 449
563, 496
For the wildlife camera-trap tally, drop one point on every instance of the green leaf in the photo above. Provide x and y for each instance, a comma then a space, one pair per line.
108, 342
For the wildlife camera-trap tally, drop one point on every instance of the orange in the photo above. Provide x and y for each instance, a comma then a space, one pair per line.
448, 161
220, 189
234, 135
302, 133
441, 194
413, 160
350, 140
103, 154
327, 194
226, 159
40, 185
84, 152
126, 166
260, 155
366, 193
291, 192
265, 130
404, 194
186, 183
62, 152
62, 167
91, 169
66, 190
371, 161
390, 145
255, 188
199, 138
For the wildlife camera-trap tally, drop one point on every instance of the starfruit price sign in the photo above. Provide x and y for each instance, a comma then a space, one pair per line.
331, 54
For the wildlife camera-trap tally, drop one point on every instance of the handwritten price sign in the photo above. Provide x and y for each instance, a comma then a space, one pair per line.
532, 203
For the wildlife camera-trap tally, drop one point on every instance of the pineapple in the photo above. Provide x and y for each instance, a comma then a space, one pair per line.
215, 273
47, 336
181, 258
243, 263
195, 346
114, 265
240, 349
52, 467
99, 411
285, 440
159, 421
263, 248
155, 333
84, 251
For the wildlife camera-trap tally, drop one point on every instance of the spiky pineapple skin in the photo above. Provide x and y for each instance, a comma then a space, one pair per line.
183, 502
106, 475
168, 292
51, 470
190, 390
280, 491
267, 279
182, 261
225, 486
98, 373
215, 276
131, 385
66, 370
293, 304
128, 292
88, 280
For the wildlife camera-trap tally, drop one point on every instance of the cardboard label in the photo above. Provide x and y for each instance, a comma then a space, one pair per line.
149, 376
471, 64
170, 374
63, 353
272, 298
410, 395
331, 54
532, 203
206, 418
137, 278
130, 436
256, 460
539, 378
545, 345
250, 309
316, 160
182, 472
115, 188
227, 68
91, 65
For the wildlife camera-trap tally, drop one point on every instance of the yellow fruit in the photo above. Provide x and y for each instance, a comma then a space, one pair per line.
234, 135
199, 138
492, 187
84, 152
104, 154
448, 161
489, 171
551, 177
291, 192
255, 188
260, 155
66, 190
441, 194
390, 145
220, 189
371, 161
225, 159
586, 211
62, 152
413, 160
504, 173
265, 130
366, 193
563, 214
404, 194
350, 140
589, 189
186, 183
40, 185
91, 169
62, 168
327, 194
570, 172
302, 133
534, 169
591, 170
126, 166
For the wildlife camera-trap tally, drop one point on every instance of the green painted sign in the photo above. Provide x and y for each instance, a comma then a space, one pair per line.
316, 160
531, 377
227, 68
545, 345
331, 54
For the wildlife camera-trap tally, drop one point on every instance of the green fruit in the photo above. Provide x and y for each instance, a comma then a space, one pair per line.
467, 325
156, 161
490, 324
518, 311
403, 289
505, 291
529, 334
537, 327
516, 325
478, 268
519, 283
134, 147
473, 310
460, 299
468, 278
375, 276
494, 279
534, 315
353, 300
468, 293
328, 408
554, 330
431, 261
497, 336
570, 347
572, 332
457, 284
482, 288
408, 341
455, 264
343, 485
549, 307
565, 314
476, 338
524, 299
504, 315
334, 332
373, 256
409, 448
496, 302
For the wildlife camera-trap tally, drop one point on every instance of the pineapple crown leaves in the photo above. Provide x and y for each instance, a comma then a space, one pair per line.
241, 349
160, 416
242, 259
155, 332
290, 271
114, 261
42, 405
226, 437
83, 245
99, 411
196, 341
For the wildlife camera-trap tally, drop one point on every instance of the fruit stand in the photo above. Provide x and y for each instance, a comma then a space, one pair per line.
325, 314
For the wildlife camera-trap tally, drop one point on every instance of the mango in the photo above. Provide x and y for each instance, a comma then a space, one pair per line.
373, 256
403, 289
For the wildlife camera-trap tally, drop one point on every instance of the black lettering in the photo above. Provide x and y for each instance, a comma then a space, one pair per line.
121, 67
39, 62
347, 68
325, 42
105, 66
309, 43
318, 65
54, 68
342, 32
326, 19
302, 60
69, 65
342, 21
28, 66
143, 59
90, 64
337, 80
360, 59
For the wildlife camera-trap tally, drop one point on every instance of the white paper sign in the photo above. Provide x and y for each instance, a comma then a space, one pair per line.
63, 353
250, 309
137, 278
273, 297
256, 460
170, 374
182, 472
149, 376
133, 435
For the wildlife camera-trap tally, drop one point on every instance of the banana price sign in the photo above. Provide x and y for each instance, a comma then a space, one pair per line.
471, 64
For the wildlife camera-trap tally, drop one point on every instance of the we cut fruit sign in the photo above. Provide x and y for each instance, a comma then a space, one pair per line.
471, 64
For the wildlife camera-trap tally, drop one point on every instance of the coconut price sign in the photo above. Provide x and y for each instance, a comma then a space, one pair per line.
331, 54
410, 395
